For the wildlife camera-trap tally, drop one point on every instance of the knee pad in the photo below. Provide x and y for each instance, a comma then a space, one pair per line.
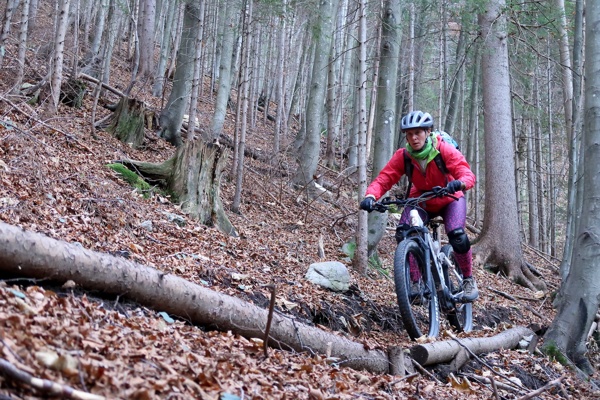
401, 232
459, 241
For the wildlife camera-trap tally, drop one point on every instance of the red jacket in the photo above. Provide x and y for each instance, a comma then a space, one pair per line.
456, 164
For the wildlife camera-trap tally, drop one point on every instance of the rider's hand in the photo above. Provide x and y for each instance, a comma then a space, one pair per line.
454, 186
367, 204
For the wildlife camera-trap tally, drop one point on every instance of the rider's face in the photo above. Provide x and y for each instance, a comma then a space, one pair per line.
416, 138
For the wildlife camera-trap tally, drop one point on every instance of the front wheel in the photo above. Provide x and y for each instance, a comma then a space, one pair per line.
417, 298
461, 316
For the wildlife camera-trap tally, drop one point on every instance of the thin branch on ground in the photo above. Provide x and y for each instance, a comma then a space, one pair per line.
44, 385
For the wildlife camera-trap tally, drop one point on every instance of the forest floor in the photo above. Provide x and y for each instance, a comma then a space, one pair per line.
54, 180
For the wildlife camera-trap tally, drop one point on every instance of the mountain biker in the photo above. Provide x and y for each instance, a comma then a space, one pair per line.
422, 147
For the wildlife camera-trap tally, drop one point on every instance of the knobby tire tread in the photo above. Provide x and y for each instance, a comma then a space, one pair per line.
402, 285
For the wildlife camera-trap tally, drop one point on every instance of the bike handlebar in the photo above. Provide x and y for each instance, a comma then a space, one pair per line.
438, 191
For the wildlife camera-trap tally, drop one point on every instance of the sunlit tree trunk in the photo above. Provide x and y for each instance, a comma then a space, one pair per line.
360, 254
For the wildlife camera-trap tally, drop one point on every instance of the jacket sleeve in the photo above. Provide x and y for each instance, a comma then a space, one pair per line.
457, 165
389, 175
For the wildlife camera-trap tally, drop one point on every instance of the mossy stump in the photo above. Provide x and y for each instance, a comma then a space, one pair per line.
127, 123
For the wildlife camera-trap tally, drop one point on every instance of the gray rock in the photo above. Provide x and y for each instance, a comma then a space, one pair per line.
147, 225
330, 274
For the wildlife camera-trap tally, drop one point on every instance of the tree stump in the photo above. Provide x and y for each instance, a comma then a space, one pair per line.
72, 92
127, 123
193, 176
196, 178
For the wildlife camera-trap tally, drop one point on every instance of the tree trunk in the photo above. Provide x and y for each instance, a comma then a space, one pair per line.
224, 91
128, 122
171, 117
165, 47
579, 295
309, 153
56, 75
280, 128
22, 46
361, 255
99, 29
146, 17
242, 115
34, 255
500, 242
11, 5
386, 118
442, 352
572, 98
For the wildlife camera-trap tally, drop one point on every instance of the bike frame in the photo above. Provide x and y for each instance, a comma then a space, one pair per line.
433, 264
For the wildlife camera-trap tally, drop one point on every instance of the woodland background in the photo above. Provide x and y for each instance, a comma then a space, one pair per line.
301, 101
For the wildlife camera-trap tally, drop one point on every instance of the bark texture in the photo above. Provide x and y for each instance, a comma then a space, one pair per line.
580, 293
193, 174
386, 118
441, 352
37, 256
500, 241
128, 122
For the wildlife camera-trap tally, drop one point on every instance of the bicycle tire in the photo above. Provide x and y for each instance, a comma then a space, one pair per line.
461, 318
420, 311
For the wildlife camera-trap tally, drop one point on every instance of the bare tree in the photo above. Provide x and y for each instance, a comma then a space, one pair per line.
360, 255
580, 291
242, 122
386, 118
499, 242
145, 50
56, 74
22, 45
570, 86
171, 117
224, 91
165, 46
11, 6
309, 152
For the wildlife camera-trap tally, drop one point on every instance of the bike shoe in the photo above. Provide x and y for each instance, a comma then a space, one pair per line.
470, 292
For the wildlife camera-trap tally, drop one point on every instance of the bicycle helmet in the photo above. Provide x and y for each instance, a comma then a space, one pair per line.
416, 119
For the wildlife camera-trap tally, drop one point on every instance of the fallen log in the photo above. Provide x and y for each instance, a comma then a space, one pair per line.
441, 352
34, 255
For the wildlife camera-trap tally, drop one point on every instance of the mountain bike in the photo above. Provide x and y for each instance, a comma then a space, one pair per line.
435, 282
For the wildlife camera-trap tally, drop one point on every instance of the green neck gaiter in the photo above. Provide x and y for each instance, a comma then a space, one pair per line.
428, 151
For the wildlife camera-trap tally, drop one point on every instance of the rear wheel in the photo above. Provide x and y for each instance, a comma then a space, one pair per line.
416, 298
461, 317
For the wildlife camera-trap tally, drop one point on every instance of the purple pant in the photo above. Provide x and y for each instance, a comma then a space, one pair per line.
454, 216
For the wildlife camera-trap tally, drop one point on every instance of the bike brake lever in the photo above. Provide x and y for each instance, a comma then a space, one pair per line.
379, 207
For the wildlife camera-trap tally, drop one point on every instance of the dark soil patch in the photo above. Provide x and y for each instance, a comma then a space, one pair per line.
494, 315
